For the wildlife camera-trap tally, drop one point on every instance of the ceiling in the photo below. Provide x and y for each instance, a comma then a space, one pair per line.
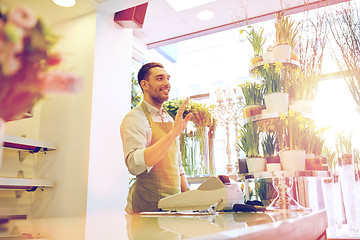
163, 25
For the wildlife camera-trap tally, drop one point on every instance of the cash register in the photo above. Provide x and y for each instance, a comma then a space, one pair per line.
220, 192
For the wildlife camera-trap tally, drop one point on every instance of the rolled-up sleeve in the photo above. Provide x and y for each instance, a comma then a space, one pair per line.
135, 133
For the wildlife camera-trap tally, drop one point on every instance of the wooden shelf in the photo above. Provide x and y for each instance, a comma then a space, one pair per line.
27, 144
24, 183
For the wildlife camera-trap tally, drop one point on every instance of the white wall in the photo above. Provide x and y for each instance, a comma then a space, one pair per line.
108, 176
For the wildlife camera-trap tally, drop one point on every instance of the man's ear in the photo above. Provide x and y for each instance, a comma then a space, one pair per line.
143, 84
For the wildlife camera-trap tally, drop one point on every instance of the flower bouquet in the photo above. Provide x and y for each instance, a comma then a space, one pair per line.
27, 65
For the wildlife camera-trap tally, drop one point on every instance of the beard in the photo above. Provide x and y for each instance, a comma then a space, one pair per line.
159, 99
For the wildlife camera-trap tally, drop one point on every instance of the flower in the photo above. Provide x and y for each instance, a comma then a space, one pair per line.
28, 66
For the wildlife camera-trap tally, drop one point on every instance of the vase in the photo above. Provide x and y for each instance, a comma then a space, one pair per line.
282, 51
2, 138
292, 160
252, 110
277, 102
256, 164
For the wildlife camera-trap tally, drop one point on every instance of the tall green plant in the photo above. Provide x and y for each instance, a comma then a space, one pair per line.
269, 144
249, 139
253, 93
256, 39
286, 30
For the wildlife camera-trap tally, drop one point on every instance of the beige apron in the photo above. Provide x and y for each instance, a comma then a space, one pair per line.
163, 179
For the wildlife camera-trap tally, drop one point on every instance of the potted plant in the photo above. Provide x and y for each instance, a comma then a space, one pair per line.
286, 36
249, 143
291, 130
276, 100
195, 142
254, 98
269, 146
257, 41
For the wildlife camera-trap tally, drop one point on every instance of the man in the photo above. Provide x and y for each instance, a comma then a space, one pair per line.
150, 145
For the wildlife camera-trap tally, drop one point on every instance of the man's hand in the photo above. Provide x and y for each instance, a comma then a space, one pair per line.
180, 123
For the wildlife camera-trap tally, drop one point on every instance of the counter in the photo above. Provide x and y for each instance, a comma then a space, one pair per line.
230, 225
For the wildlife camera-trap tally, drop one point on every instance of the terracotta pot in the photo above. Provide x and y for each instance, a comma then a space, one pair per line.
313, 163
252, 110
255, 60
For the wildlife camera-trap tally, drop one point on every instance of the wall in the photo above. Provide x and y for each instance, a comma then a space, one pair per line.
108, 176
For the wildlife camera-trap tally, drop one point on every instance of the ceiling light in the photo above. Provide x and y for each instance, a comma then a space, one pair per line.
65, 3
205, 15
181, 5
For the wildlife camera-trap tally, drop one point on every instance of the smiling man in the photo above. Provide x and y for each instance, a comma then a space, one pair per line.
150, 144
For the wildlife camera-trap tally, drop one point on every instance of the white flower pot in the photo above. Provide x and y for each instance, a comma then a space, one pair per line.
268, 56
292, 160
282, 51
302, 106
256, 164
277, 102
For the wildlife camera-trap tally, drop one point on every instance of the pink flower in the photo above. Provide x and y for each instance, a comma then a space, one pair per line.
58, 81
23, 17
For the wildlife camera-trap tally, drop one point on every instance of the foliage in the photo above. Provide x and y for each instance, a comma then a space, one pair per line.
136, 94
27, 63
249, 139
192, 143
285, 30
265, 190
271, 77
269, 144
345, 28
312, 42
343, 144
291, 130
256, 39
331, 158
253, 93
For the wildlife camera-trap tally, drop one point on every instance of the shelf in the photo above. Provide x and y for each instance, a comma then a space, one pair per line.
24, 183
284, 61
305, 173
27, 144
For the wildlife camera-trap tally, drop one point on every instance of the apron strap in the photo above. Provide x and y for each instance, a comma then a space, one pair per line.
147, 114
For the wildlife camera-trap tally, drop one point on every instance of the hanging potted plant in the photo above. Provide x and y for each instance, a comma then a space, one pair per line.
276, 100
254, 98
286, 36
257, 41
249, 143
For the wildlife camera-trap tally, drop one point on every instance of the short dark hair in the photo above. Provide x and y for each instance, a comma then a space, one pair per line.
144, 70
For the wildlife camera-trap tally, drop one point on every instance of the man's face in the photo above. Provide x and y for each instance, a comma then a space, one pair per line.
157, 87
